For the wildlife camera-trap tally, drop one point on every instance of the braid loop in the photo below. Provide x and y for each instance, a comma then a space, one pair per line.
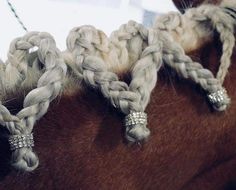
144, 69
37, 100
224, 24
199, 23
95, 73
97, 60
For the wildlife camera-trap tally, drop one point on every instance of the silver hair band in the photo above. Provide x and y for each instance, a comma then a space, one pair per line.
21, 141
135, 118
218, 98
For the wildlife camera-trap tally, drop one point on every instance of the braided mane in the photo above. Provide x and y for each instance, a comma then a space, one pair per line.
97, 61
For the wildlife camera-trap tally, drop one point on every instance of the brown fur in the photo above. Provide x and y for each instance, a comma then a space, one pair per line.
80, 141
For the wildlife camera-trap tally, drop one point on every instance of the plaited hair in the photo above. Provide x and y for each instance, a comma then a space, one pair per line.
202, 22
98, 60
37, 100
88, 54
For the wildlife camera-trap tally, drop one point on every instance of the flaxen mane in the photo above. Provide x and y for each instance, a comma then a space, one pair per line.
93, 61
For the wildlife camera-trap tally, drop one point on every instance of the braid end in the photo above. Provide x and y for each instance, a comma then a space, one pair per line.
25, 159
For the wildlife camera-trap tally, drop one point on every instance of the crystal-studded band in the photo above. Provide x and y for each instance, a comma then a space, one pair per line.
21, 141
218, 98
135, 118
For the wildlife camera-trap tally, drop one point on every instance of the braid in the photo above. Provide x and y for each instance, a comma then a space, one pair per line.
175, 57
224, 25
128, 43
22, 67
37, 101
198, 24
228, 40
95, 73
193, 27
145, 63
95, 59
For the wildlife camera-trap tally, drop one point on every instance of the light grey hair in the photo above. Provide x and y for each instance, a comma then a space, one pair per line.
37, 100
98, 60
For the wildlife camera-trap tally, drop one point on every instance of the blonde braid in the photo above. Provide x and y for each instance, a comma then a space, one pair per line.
133, 46
174, 56
145, 59
82, 43
224, 24
22, 67
128, 43
37, 101
198, 24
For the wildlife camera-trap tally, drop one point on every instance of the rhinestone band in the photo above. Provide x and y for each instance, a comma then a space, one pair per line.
21, 141
218, 98
136, 118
